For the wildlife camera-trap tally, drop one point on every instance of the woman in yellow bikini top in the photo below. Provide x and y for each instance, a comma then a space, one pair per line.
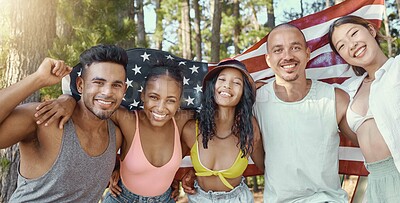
224, 136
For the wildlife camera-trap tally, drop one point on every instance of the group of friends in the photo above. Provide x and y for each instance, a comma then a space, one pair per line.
289, 127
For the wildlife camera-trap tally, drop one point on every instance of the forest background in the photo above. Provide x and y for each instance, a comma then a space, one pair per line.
205, 30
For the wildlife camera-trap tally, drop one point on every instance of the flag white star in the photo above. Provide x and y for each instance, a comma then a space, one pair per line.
182, 63
137, 69
79, 73
145, 56
129, 82
141, 89
170, 57
134, 103
198, 109
189, 100
198, 88
185, 80
194, 69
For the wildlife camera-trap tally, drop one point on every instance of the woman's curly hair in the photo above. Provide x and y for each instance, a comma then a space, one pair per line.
242, 126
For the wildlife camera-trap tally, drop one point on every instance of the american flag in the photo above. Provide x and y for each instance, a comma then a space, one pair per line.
324, 65
140, 61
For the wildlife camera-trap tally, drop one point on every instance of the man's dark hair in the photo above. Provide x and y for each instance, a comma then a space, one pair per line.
103, 53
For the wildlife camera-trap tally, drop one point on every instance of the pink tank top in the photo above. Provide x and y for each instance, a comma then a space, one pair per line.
140, 176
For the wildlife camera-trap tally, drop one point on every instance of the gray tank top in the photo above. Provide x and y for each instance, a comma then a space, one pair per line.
74, 177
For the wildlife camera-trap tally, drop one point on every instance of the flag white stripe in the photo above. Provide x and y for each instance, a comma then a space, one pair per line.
334, 71
367, 12
317, 31
324, 49
350, 154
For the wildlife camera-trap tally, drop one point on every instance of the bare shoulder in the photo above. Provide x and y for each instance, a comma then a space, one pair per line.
341, 97
189, 132
256, 129
123, 115
183, 116
342, 101
19, 125
118, 137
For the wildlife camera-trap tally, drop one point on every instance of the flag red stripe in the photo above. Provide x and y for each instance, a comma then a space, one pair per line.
342, 9
325, 60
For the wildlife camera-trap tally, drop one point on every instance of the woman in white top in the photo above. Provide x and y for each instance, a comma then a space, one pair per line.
374, 111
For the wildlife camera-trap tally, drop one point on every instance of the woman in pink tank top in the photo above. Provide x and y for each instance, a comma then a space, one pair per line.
151, 151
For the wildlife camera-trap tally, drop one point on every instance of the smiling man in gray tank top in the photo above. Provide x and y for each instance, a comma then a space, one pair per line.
73, 163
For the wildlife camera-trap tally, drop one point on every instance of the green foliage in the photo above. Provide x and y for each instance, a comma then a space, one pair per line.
259, 179
92, 22
4, 164
89, 23
51, 92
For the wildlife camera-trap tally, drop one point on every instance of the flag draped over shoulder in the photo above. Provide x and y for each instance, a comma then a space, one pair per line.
324, 64
140, 62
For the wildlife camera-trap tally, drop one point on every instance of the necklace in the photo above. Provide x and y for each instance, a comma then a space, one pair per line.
368, 81
224, 137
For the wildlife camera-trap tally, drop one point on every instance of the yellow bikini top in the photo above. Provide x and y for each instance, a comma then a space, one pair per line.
236, 170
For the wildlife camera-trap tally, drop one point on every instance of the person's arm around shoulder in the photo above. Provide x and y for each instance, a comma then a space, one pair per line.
125, 120
49, 73
115, 190
53, 110
188, 137
258, 153
182, 117
342, 102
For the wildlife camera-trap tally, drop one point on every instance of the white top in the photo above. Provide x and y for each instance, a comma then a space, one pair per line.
384, 103
354, 119
301, 143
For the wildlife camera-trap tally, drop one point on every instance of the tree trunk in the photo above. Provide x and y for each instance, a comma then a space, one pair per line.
301, 8
270, 14
8, 172
216, 30
327, 4
141, 40
398, 7
236, 29
159, 32
33, 30
196, 7
387, 33
254, 19
186, 30
127, 12
338, 1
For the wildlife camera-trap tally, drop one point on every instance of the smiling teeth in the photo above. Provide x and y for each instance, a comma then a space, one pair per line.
159, 116
225, 94
104, 102
359, 52
288, 66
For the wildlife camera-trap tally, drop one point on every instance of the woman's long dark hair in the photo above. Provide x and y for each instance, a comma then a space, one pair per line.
242, 125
